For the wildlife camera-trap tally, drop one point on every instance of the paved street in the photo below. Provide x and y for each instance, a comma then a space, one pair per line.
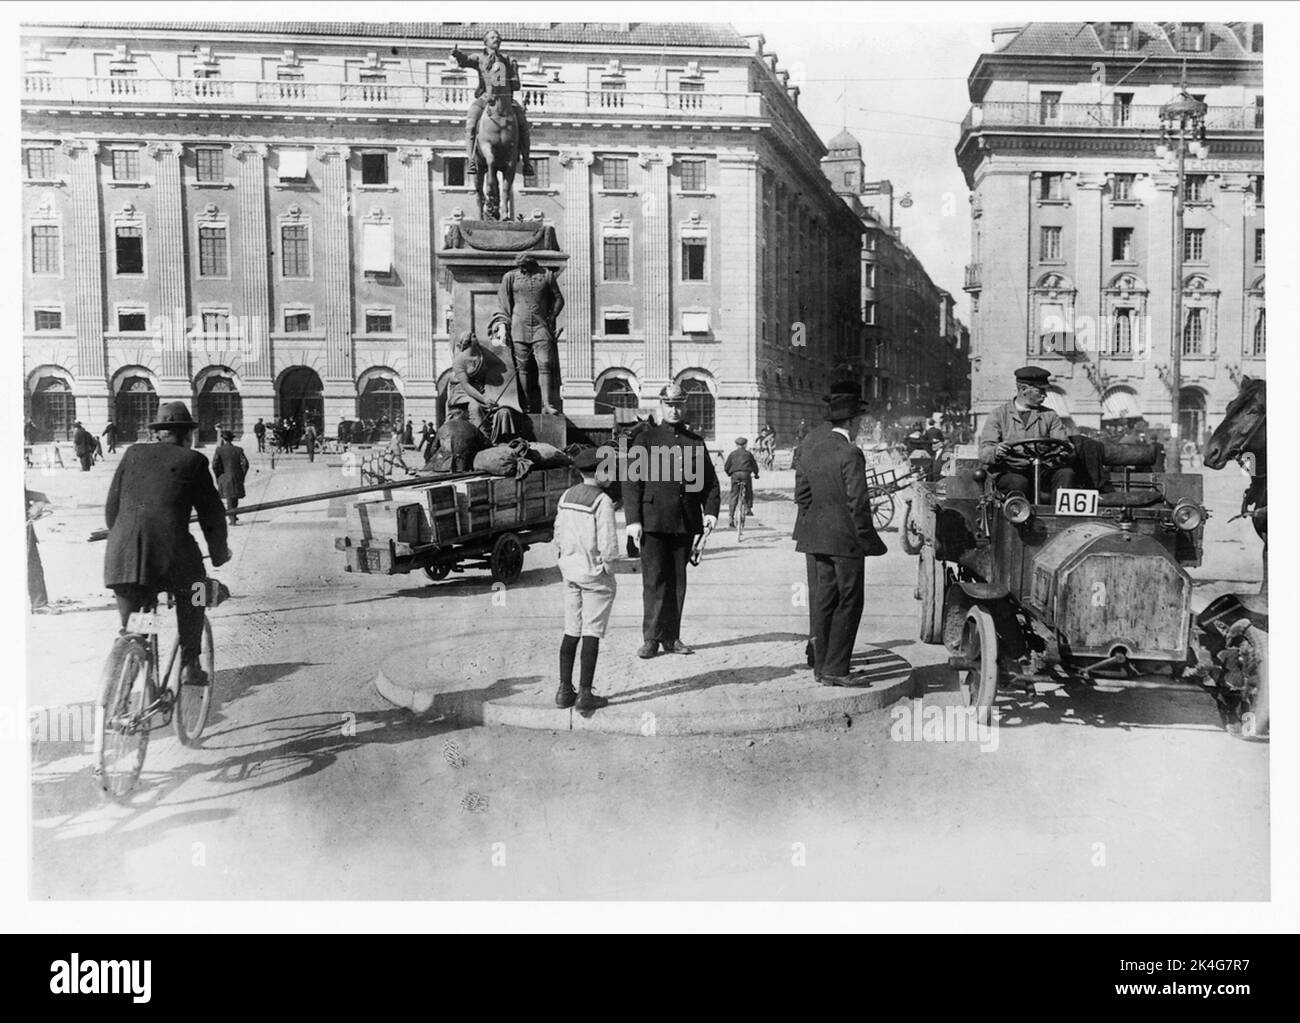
309, 784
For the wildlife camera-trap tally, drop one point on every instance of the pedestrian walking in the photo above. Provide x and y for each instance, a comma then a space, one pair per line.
586, 538
110, 436
309, 437
408, 435
665, 515
259, 431
84, 445
38, 506
835, 527
230, 467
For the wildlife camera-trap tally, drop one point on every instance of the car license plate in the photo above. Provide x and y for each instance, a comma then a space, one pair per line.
142, 623
1076, 502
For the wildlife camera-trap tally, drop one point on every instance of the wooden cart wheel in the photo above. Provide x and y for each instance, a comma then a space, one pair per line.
955, 606
912, 538
507, 558
882, 510
438, 572
932, 581
979, 645
1254, 662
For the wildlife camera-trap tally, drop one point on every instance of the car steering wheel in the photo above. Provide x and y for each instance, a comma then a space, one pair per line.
1043, 447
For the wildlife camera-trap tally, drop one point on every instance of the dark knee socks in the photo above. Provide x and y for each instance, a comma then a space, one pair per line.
568, 651
590, 648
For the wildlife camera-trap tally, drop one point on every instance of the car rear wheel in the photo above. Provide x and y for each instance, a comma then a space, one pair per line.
979, 648
932, 580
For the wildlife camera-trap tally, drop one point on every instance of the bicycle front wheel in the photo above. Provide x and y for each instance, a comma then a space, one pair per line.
193, 703
121, 731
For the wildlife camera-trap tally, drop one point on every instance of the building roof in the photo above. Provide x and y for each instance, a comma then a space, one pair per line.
844, 141
645, 33
1087, 38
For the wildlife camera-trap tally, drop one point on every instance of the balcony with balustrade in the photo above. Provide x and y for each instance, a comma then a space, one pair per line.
63, 93
1097, 116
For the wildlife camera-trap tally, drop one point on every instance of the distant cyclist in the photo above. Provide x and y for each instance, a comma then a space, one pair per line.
150, 549
742, 468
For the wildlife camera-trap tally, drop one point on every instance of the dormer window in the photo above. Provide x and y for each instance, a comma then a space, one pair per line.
1191, 36
1121, 35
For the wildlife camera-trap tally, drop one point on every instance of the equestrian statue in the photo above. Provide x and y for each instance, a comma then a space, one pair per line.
496, 128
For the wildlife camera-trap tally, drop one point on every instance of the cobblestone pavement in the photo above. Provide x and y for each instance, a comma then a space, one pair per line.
310, 785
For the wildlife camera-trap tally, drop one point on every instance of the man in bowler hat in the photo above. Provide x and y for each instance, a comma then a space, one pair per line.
150, 548
835, 527
670, 496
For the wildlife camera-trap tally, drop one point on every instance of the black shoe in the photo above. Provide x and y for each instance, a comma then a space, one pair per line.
589, 701
564, 696
833, 680
731, 524
193, 675
677, 647
808, 653
648, 649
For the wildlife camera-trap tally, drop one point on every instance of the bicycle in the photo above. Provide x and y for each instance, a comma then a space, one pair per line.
742, 507
133, 703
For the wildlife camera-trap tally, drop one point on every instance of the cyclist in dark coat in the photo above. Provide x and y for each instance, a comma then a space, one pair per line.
150, 548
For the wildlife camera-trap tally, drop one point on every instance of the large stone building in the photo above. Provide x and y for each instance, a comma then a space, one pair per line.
916, 359
248, 218
1073, 257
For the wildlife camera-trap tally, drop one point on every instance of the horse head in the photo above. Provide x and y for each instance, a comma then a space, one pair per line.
1242, 422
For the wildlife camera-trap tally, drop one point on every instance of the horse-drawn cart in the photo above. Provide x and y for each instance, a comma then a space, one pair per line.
477, 521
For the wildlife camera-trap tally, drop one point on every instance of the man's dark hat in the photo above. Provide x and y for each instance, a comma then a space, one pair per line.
587, 458
1033, 375
228, 435
844, 405
742, 441
843, 387
174, 414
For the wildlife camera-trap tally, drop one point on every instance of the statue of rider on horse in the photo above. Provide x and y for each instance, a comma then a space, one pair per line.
496, 127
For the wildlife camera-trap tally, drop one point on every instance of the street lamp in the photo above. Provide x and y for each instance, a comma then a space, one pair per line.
1182, 121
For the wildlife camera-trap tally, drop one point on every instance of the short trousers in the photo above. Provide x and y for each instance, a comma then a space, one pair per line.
587, 606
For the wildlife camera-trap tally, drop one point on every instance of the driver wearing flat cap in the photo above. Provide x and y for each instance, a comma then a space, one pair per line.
1026, 418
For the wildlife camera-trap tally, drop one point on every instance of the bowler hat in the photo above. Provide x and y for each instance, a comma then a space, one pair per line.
586, 458
173, 415
672, 394
228, 435
844, 406
843, 387
1033, 375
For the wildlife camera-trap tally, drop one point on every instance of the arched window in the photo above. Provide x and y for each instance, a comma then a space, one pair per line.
616, 392
381, 400
700, 406
1254, 323
1054, 295
217, 402
1200, 315
53, 409
134, 407
1259, 335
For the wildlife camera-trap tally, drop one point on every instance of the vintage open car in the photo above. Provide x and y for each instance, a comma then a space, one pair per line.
1087, 582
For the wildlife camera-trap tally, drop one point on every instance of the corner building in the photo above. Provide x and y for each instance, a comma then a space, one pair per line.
248, 218
1073, 254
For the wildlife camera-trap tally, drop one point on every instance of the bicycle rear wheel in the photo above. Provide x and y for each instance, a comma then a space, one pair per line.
193, 703
121, 733
743, 513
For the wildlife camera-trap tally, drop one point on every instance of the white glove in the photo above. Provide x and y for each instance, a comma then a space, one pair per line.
709, 522
634, 533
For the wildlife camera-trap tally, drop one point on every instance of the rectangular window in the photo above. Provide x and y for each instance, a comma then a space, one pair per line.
1194, 244
1194, 188
1122, 108
130, 250
372, 77
1122, 188
374, 168
1257, 38
377, 249
379, 323
694, 251
126, 165
49, 319
617, 254
1051, 186
1260, 339
1259, 112
541, 176
1049, 108
130, 320
1194, 332
1257, 187
1191, 36
209, 165
1052, 326
618, 323
1259, 245
213, 259
216, 323
613, 174
1049, 243
872, 274
40, 163
453, 171
1121, 244
46, 246
1122, 332
288, 75
869, 313
1121, 35
694, 180
295, 251
297, 322
293, 165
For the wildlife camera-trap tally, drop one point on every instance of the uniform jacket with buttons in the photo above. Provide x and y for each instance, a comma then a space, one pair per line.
666, 505
532, 301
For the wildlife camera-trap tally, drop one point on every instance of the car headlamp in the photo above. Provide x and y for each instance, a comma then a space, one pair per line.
1188, 514
1017, 509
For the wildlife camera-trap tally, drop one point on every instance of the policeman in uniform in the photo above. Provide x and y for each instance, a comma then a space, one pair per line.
665, 515
1025, 418
530, 296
